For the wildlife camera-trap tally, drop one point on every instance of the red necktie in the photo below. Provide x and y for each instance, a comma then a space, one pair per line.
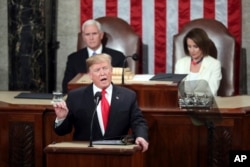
105, 109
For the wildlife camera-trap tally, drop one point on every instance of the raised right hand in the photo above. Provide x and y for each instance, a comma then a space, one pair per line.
61, 109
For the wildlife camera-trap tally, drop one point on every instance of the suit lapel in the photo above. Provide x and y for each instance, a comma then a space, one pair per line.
85, 53
204, 65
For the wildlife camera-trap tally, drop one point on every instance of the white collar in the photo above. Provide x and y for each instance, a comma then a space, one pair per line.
97, 51
108, 89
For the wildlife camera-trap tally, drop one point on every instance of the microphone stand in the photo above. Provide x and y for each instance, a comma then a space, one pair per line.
98, 97
134, 57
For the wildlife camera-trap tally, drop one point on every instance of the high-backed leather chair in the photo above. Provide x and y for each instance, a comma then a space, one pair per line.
118, 35
223, 49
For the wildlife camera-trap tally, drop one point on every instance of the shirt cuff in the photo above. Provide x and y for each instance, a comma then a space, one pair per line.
58, 122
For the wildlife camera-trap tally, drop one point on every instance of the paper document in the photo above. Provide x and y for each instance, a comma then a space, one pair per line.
142, 77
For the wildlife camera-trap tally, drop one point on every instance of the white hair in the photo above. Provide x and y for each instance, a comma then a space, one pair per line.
92, 22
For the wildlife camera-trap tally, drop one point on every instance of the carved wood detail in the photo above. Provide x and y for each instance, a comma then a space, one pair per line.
21, 144
219, 144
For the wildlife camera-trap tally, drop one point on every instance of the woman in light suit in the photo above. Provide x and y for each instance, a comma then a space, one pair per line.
204, 71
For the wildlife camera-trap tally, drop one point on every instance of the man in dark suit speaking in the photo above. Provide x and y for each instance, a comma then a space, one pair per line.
121, 115
92, 35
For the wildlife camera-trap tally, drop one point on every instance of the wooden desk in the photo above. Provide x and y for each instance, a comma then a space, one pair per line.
23, 124
26, 128
79, 154
21, 135
150, 94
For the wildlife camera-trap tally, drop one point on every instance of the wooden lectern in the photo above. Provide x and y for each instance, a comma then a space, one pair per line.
79, 154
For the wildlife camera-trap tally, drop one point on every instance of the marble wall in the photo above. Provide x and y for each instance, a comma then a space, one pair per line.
68, 26
4, 78
27, 37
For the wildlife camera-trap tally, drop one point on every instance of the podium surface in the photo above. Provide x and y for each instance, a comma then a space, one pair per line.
80, 154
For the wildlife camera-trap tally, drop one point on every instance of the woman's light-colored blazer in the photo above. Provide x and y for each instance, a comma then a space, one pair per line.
210, 71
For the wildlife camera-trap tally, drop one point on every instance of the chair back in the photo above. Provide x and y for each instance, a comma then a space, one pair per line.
223, 49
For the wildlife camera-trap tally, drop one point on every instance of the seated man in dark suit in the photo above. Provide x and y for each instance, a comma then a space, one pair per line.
92, 35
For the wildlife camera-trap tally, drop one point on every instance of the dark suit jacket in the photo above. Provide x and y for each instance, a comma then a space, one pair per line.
76, 63
124, 114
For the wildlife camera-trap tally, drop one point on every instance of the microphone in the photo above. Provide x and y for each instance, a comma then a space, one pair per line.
97, 99
135, 57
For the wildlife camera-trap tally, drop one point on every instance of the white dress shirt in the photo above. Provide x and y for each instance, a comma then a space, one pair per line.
109, 91
97, 51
